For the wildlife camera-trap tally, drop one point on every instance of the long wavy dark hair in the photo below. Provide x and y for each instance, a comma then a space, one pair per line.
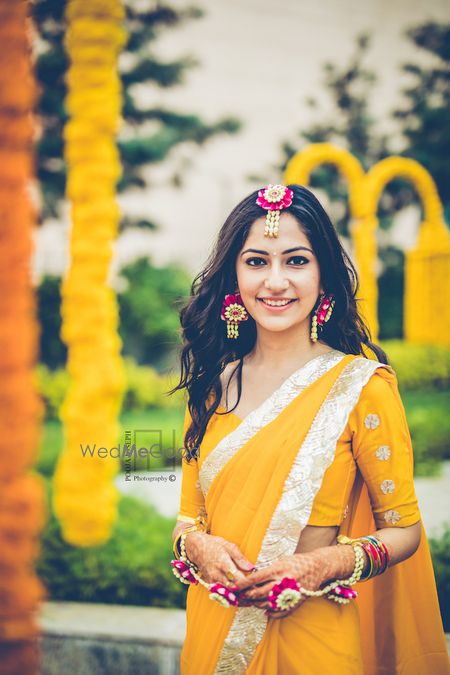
207, 350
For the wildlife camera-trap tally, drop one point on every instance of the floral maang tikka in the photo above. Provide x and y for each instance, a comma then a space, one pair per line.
274, 198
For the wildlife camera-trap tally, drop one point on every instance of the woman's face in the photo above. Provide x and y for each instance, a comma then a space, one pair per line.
265, 271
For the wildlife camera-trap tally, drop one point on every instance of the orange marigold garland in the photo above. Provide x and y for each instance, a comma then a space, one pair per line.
22, 506
85, 496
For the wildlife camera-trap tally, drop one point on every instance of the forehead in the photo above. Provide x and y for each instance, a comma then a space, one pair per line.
290, 234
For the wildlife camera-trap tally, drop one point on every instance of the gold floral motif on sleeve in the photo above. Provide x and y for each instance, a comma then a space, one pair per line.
387, 487
392, 517
372, 421
383, 452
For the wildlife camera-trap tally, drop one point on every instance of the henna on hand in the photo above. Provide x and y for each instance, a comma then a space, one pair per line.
311, 570
215, 556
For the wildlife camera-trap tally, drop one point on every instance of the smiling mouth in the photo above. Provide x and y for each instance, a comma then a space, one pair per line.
277, 303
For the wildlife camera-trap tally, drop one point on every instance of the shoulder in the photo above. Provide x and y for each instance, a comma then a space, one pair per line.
379, 397
374, 378
380, 384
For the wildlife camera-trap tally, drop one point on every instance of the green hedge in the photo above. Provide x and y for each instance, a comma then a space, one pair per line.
440, 552
133, 567
429, 424
419, 366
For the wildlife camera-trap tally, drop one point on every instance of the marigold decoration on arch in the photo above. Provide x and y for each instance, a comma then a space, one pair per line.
233, 312
274, 198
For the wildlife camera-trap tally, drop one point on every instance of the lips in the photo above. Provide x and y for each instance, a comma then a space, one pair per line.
277, 307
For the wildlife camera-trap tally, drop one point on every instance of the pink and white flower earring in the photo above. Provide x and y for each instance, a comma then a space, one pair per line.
321, 315
233, 312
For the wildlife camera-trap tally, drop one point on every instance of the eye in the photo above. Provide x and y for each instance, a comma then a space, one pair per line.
250, 263
300, 260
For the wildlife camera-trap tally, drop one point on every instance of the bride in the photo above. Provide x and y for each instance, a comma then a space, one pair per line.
298, 466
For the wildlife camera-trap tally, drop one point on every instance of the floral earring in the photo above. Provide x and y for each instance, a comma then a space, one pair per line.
321, 315
233, 312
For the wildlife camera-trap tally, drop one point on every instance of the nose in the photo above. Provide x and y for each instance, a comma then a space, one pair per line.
275, 280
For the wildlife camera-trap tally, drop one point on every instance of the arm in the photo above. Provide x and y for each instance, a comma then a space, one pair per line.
339, 561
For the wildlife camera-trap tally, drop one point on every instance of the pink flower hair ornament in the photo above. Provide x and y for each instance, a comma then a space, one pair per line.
274, 198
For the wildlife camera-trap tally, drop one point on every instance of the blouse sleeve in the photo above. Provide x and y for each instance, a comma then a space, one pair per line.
191, 500
381, 446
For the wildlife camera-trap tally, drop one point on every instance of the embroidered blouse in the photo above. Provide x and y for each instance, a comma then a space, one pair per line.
374, 442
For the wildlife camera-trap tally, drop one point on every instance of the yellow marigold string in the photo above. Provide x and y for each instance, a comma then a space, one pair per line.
22, 504
85, 496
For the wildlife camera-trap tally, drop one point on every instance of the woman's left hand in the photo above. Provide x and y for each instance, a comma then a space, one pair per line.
308, 569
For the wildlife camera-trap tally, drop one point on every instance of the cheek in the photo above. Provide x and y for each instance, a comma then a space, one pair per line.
248, 279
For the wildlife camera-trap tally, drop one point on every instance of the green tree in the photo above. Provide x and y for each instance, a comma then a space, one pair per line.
424, 115
150, 132
149, 306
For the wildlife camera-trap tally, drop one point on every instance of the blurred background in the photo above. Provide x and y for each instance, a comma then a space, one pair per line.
216, 98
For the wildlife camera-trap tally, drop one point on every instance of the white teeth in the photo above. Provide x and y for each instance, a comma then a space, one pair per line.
276, 303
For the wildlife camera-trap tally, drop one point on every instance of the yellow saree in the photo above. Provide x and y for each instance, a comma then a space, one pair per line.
315, 452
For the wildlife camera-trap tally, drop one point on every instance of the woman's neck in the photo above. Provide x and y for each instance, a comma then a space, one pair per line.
276, 351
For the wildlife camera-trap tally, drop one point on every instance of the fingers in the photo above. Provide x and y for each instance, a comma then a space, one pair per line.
227, 573
259, 593
239, 559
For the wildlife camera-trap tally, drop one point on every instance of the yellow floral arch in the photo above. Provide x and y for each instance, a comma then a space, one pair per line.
426, 266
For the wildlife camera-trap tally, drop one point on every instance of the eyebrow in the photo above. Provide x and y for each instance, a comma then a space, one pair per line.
288, 250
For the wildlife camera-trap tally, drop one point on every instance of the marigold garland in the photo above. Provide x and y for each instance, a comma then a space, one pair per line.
22, 504
85, 497
426, 268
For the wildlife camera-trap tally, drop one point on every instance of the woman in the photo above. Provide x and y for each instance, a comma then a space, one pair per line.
293, 436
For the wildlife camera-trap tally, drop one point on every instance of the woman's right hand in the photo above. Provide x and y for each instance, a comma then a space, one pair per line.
215, 556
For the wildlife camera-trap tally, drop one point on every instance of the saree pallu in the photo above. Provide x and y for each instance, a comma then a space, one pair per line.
259, 483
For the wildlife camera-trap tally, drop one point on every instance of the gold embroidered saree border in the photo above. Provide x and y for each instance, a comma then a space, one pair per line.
294, 507
264, 414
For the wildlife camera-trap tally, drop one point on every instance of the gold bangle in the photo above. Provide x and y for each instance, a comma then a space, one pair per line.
176, 544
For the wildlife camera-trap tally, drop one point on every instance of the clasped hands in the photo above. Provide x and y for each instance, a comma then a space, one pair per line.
216, 558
